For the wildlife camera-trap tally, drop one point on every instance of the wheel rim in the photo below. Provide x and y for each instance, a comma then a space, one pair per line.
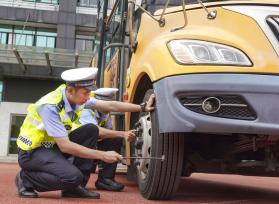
145, 149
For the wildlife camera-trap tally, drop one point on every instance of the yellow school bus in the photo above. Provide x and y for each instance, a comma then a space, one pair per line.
213, 67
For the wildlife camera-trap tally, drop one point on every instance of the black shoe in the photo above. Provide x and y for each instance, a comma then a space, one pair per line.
80, 192
108, 184
22, 191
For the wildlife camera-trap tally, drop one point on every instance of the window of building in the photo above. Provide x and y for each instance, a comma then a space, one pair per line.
87, 3
23, 36
45, 1
4, 33
1, 90
84, 42
28, 36
48, 1
16, 123
45, 38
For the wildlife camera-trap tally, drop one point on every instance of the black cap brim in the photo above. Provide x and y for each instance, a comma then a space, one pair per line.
90, 88
87, 84
104, 98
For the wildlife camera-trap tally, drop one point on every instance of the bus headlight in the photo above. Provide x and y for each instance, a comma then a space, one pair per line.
202, 52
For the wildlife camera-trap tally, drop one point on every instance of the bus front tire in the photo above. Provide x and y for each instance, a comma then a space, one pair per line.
161, 179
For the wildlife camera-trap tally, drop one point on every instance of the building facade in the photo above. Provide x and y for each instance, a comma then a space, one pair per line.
38, 40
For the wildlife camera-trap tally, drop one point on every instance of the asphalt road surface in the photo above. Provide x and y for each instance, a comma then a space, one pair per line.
199, 188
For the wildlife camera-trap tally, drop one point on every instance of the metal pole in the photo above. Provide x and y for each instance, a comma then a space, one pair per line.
121, 75
102, 41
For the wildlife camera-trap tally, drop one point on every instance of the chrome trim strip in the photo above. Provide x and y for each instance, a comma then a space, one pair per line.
192, 104
233, 105
222, 104
275, 23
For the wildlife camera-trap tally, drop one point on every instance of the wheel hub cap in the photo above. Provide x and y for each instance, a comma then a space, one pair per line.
145, 150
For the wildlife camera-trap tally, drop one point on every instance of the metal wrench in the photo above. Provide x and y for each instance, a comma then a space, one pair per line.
162, 158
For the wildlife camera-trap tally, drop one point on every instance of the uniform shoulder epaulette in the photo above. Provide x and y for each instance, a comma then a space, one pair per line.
60, 105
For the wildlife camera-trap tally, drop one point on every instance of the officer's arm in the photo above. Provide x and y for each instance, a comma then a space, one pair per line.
55, 128
107, 133
116, 106
66, 146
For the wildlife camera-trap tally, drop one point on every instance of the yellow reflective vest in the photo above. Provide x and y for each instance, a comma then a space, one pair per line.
102, 120
32, 133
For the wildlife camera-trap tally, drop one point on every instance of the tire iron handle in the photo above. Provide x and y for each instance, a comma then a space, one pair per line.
162, 158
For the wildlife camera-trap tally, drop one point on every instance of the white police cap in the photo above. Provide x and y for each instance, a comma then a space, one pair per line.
80, 77
105, 93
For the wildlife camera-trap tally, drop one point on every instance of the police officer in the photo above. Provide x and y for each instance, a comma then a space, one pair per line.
50, 134
107, 171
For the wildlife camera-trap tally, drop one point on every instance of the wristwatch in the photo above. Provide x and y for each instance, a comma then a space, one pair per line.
142, 106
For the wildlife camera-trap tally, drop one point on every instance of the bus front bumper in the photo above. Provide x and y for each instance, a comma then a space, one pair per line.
180, 103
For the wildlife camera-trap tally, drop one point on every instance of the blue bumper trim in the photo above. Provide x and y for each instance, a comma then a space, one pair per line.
260, 91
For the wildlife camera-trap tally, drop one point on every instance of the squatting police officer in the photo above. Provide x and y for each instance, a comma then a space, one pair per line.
113, 139
50, 135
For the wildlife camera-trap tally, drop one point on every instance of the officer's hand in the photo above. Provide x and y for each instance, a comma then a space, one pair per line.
149, 104
130, 135
111, 157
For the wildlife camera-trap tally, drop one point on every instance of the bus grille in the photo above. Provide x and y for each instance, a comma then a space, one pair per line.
232, 107
273, 23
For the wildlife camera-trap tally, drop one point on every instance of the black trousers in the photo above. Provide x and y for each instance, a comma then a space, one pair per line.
49, 169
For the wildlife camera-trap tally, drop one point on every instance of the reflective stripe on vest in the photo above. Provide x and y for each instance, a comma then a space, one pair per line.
103, 123
37, 124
